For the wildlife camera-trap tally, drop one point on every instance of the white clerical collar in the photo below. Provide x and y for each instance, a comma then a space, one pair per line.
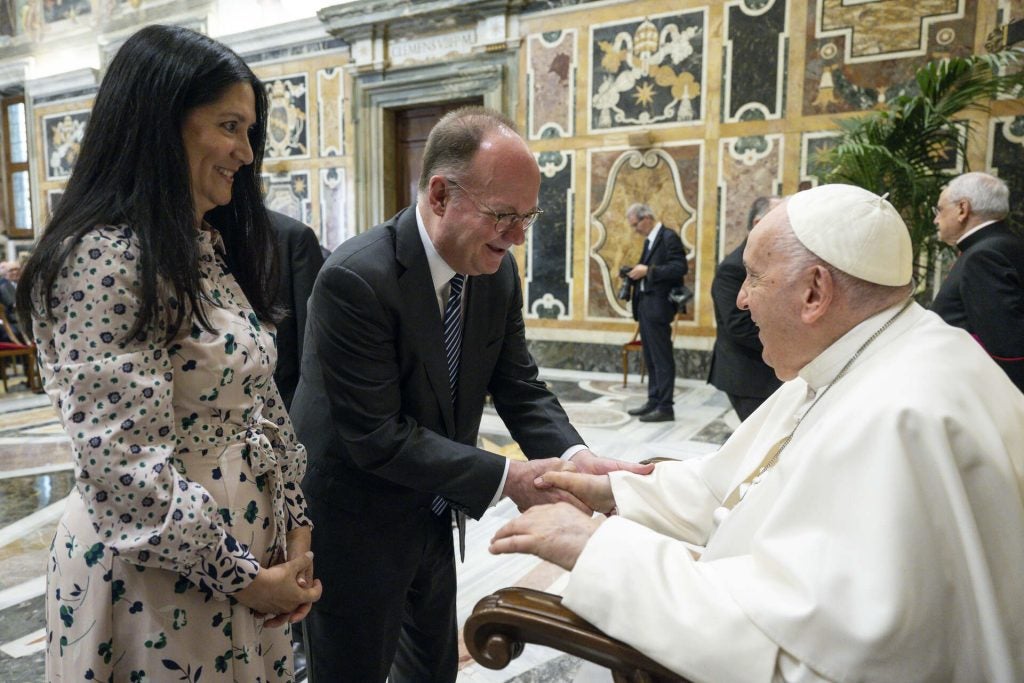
652, 234
824, 368
975, 229
440, 271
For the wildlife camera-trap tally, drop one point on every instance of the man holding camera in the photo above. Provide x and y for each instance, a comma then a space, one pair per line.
662, 267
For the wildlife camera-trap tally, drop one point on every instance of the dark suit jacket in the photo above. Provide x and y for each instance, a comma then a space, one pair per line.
666, 262
7, 295
736, 364
374, 408
984, 294
299, 253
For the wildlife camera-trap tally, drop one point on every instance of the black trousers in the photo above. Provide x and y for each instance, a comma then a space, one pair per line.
656, 313
389, 600
745, 405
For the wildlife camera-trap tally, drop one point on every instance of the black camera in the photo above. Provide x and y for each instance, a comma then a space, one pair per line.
626, 290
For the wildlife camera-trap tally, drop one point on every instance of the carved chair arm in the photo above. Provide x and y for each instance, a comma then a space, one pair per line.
655, 461
502, 623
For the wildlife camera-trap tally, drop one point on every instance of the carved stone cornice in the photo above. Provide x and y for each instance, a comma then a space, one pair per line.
365, 18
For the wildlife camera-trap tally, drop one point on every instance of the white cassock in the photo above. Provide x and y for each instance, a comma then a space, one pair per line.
886, 544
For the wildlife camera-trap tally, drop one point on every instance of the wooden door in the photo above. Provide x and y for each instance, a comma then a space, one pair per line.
411, 129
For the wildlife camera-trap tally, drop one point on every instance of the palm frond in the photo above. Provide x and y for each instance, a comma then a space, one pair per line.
908, 148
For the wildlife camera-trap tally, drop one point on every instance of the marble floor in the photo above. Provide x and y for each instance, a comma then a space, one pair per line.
36, 474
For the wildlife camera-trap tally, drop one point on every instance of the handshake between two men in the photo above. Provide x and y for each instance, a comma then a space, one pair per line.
557, 519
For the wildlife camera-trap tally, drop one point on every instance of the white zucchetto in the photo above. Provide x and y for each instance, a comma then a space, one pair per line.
853, 230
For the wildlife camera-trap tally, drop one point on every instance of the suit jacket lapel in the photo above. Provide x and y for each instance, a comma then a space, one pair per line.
419, 305
654, 245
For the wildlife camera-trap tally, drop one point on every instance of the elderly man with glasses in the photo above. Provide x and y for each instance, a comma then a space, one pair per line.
662, 266
410, 325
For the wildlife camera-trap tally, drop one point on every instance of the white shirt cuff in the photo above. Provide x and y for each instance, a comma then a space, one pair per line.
569, 452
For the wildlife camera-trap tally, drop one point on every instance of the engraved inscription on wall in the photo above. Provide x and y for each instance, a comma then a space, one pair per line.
431, 48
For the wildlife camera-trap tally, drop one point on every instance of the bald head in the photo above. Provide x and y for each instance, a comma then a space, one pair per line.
454, 141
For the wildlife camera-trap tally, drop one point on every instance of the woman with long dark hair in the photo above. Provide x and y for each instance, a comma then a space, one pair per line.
184, 546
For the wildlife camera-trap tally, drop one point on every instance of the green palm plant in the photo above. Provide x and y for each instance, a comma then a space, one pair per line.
909, 149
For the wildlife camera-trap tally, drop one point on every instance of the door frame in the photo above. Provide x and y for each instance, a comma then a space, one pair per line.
491, 77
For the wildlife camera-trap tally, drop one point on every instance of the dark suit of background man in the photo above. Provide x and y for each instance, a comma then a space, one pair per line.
662, 266
737, 367
9, 272
300, 259
300, 256
984, 292
376, 413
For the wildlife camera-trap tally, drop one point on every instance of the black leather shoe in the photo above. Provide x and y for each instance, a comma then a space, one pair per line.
658, 416
642, 410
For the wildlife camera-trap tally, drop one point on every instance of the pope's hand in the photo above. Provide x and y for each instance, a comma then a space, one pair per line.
519, 484
593, 490
556, 533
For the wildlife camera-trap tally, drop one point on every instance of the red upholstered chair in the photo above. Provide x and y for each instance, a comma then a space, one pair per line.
19, 349
634, 344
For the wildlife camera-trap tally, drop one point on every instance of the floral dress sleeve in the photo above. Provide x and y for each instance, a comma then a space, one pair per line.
115, 400
293, 464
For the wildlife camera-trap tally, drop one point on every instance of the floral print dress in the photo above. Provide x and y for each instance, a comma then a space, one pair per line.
186, 471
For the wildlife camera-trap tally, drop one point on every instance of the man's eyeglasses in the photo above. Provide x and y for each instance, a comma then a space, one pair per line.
505, 221
937, 209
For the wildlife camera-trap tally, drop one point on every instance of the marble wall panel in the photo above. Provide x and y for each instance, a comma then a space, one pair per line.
749, 167
813, 146
668, 179
330, 108
288, 193
754, 72
59, 10
334, 208
62, 140
862, 54
551, 84
549, 241
1009, 10
648, 72
286, 117
1006, 160
690, 363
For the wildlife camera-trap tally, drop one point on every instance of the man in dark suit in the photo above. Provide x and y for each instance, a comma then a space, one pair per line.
984, 292
662, 266
10, 272
737, 367
300, 258
400, 352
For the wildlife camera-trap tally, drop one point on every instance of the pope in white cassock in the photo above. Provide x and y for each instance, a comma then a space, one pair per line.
865, 524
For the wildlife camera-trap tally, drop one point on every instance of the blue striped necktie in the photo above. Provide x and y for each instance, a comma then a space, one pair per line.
453, 331
452, 336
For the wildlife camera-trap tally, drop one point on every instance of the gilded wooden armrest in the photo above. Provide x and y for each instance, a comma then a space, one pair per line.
502, 623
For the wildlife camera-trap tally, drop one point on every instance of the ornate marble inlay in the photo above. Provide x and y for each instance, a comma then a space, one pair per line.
551, 84
648, 71
286, 117
63, 135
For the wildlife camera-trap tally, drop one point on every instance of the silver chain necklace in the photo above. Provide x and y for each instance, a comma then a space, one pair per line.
842, 372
